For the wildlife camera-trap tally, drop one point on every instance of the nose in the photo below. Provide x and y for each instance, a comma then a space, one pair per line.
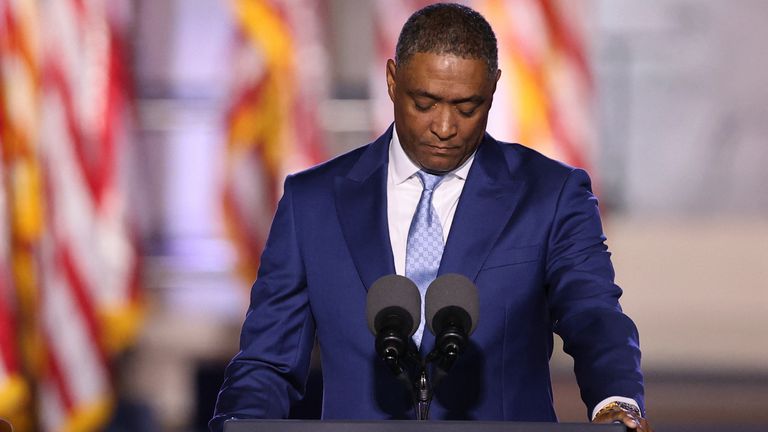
444, 122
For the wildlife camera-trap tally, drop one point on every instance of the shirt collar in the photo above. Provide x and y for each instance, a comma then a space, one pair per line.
403, 168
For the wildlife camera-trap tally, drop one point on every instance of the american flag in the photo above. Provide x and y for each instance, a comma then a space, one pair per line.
545, 97
14, 392
77, 270
21, 191
278, 80
390, 15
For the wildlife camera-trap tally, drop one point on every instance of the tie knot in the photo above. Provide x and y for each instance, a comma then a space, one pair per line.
429, 181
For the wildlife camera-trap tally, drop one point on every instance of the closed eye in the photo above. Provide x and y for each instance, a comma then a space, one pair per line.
467, 109
424, 107
467, 113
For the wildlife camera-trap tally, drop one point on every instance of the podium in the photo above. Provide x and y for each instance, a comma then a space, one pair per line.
411, 426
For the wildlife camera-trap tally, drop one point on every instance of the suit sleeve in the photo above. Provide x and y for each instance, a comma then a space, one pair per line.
584, 300
270, 370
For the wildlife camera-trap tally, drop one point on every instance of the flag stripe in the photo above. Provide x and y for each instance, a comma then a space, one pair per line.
93, 178
8, 354
56, 375
564, 39
84, 301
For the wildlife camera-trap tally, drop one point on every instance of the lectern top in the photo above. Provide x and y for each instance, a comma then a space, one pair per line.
411, 426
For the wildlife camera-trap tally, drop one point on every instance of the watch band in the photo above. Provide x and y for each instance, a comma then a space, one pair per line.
620, 406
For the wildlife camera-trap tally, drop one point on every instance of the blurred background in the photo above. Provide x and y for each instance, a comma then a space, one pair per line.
144, 144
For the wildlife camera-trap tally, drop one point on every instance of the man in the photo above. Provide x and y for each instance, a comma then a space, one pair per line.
524, 228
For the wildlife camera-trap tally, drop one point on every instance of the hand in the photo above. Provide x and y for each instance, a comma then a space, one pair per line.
628, 418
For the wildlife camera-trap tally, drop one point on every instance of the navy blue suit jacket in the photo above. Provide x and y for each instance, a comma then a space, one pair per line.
526, 230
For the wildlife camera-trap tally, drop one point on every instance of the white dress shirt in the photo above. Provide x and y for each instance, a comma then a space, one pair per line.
403, 192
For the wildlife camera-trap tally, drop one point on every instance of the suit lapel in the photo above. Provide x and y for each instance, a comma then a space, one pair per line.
485, 207
361, 202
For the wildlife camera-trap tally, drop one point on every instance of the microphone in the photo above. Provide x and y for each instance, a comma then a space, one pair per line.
393, 308
451, 311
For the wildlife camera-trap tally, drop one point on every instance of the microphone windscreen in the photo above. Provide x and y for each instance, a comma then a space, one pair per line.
452, 289
393, 291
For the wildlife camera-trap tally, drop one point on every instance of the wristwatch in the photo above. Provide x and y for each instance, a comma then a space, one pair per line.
621, 406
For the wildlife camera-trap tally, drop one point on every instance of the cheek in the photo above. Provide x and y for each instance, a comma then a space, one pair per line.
417, 124
475, 127
470, 128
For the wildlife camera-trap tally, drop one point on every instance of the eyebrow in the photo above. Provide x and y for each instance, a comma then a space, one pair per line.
423, 93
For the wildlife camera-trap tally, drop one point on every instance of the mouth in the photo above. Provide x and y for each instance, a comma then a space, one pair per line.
443, 148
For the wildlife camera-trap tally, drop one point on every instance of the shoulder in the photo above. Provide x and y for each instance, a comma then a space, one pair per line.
532, 166
356, 164
320, 183
337, 166
519, 156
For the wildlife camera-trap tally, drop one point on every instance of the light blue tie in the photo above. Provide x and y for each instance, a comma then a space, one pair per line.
425, 243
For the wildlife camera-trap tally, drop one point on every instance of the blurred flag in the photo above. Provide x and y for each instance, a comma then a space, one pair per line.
389, 17
272, 126
66, 135
544, 99
89, 295
545, 96
13, 388
21, 194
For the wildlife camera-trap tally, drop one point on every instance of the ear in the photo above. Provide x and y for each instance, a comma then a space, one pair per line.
495, 82
391, 71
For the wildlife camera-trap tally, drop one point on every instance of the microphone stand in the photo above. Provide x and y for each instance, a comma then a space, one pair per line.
425, 394
447, 349
443, 361
420, 388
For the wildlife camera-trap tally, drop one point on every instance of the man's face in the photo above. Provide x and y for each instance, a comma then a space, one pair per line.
441, 106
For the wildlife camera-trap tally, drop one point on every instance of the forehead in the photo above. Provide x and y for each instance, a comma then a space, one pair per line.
445, 75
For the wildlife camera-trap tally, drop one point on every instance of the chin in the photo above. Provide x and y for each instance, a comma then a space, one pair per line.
438, 168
